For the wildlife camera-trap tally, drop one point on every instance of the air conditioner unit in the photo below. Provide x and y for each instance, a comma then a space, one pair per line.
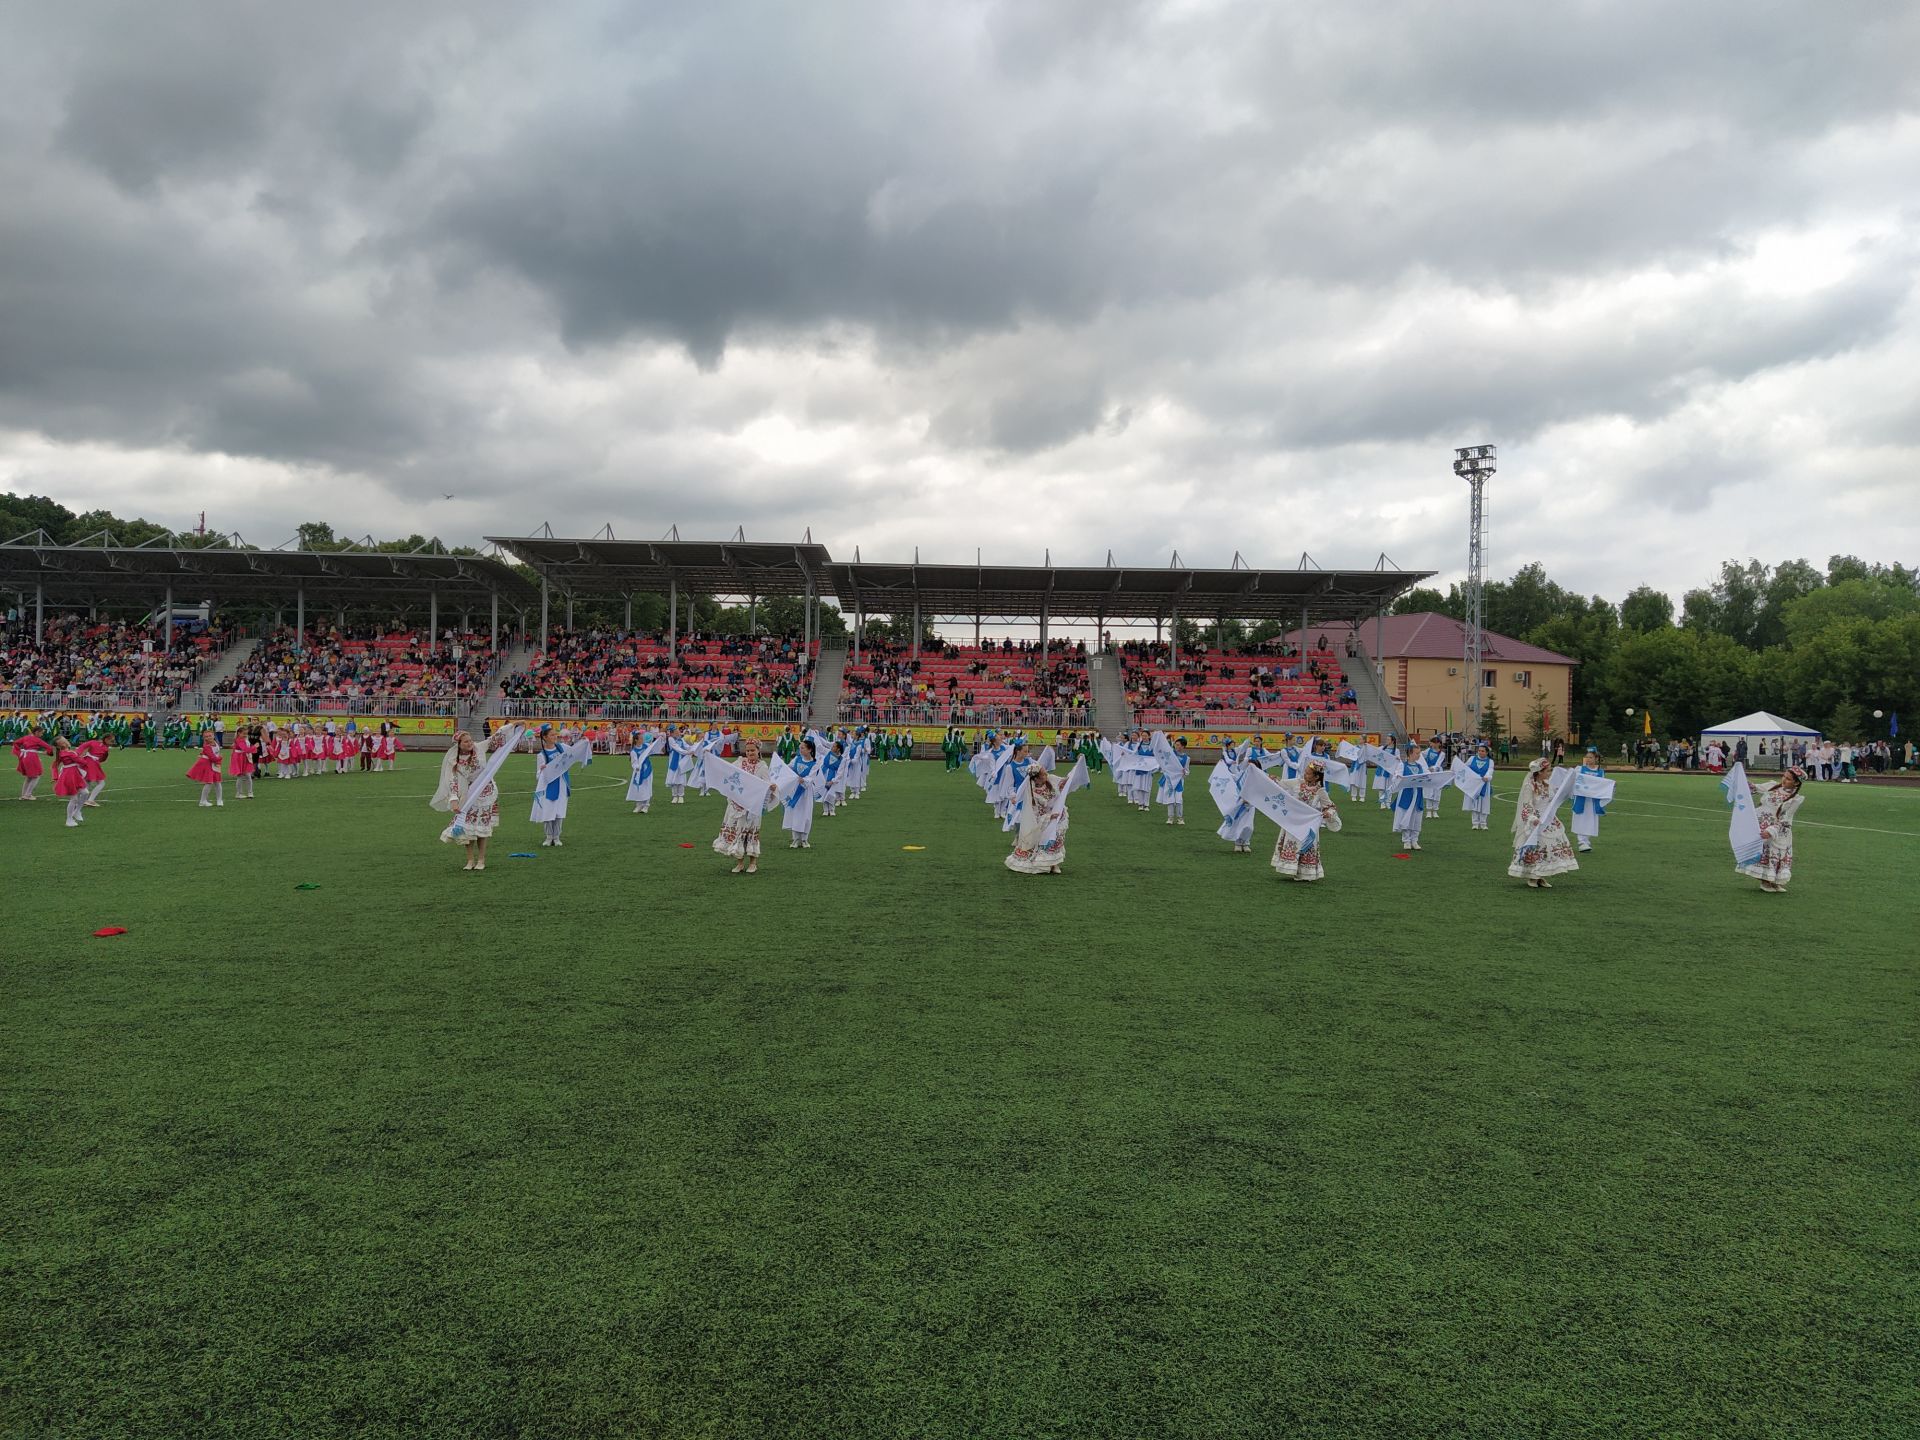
1519, 677
1453, 669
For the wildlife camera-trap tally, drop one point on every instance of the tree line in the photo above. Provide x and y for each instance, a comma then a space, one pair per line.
1824, 647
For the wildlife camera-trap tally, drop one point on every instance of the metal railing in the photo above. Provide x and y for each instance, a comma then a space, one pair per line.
1078, 717
373, 706
50, 699
1331, 721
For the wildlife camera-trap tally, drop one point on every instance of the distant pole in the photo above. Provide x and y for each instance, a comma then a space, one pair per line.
299, 617
1474, 464
433, 619
545, 597
673, 619
493, 627
40, 612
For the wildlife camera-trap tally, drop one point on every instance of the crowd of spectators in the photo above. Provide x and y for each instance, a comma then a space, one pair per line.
79, 662
359, 671
1005, 683
639, 674
1273, 682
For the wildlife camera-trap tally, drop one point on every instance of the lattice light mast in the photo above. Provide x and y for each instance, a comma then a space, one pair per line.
1474, 464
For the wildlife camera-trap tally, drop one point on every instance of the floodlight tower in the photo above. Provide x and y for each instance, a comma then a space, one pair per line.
1474, 464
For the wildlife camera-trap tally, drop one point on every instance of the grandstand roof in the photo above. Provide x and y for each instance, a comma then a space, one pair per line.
603, 566
90, 572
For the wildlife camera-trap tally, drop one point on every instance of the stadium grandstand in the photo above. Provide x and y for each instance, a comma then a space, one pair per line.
461, 638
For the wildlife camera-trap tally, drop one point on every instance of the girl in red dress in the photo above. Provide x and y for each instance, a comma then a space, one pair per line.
26, 759
70, 783
92, 753
240, 763
206, 770
282, 753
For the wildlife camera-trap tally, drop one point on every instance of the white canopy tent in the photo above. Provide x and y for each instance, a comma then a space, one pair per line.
1760, 723
1768, 738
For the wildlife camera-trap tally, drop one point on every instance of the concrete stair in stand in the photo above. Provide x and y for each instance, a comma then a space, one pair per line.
1376, 709
829, 671
1110, 712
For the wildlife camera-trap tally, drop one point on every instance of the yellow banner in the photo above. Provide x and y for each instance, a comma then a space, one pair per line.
402, 724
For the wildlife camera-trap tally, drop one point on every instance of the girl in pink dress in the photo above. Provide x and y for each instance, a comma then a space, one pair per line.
206, 769
240, 763
27, 751
70, 783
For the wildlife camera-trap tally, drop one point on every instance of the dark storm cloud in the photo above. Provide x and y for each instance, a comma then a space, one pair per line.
439, 244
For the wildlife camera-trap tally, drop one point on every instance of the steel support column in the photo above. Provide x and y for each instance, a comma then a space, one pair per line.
493, 625
299, 618
673, 619
433, 621
545, 597
40, 613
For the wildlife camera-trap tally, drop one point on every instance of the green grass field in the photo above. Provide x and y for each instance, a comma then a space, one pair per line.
881, 1143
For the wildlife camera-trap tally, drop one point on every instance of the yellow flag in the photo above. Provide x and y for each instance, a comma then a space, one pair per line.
1646, 722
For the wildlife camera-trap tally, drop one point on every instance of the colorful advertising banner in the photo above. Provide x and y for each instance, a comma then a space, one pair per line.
402, 724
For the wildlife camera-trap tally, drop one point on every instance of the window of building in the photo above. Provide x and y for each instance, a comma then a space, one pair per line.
1489, 679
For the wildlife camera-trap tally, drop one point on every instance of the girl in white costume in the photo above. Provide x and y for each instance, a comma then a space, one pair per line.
1775, 804
1410, 805
739, 836
679, 766
1587, 813
553, 780
1290, 856
641, 748
1550, 854
797, 816
459, 770
1173, 793
1480, 806
1040, 844
1237, 828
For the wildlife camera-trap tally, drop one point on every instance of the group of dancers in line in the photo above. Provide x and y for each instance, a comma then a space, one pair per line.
1028, 796
824, 768
294, 751
1294, 785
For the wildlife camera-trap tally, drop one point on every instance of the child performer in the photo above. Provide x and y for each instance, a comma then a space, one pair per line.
70, 782
1237, 828
1173, 793
1550, 854
1480, 806
240, 762
389, 745
679, 766
832, 768
1431, 757
1040, 845
478, 810
27, 751
739, 836
1587, 813
93, 755
206, 769
283, 754
640, 749
1291, 856
798, 819
1775, 805
1410, 807
553, 780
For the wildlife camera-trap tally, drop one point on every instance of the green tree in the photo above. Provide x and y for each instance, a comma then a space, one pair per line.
1422, 598
1847, 722
1538, 720
1644, 609
315, 535
1490, 721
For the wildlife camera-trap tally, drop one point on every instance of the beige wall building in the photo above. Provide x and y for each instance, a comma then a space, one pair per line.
1421, 666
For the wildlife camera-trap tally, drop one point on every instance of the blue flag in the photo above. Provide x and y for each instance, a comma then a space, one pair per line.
1893, 724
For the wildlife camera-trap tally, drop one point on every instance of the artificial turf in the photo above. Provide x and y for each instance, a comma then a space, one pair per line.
895, 1143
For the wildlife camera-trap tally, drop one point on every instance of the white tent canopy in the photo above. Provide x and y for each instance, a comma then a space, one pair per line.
1760, 722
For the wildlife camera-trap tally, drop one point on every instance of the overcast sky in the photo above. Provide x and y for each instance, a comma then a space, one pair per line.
1085, 275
